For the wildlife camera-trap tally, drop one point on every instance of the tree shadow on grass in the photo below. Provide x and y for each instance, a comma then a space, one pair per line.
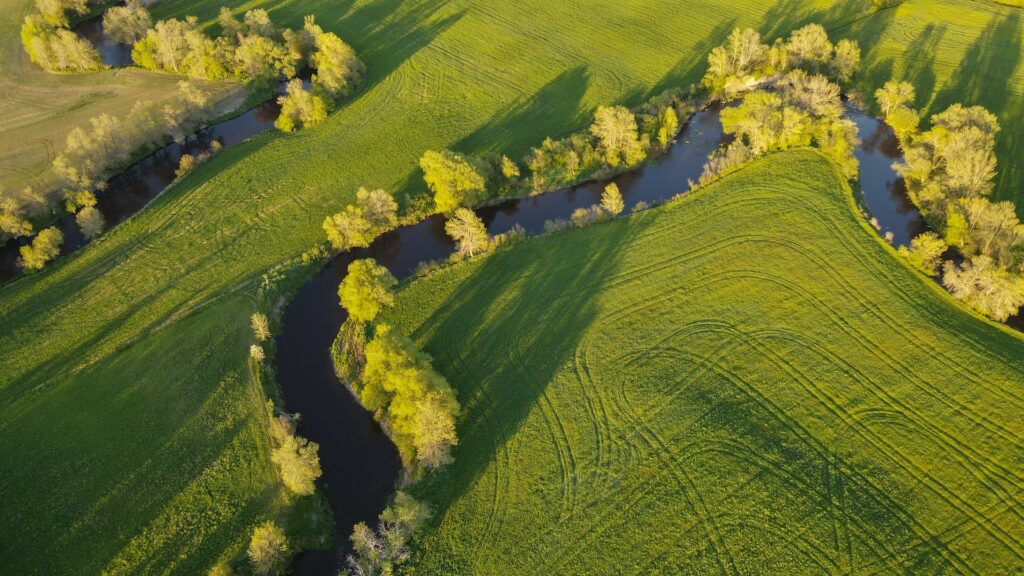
508, 329
986, 78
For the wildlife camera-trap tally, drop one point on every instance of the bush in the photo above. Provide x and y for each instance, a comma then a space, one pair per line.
90, 221
925, 252
45, 247
300, 108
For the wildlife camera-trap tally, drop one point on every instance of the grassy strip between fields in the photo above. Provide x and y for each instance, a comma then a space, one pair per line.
744, 380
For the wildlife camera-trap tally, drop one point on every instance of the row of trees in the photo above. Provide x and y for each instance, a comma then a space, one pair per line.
743, 61
949, 171
803, 108
49, 43
414, 403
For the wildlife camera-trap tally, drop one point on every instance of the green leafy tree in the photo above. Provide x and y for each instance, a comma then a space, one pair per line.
366, 289
669, 127
846, 60
300, 108
809, 48
267, 549
611, 200
45, 247
985, 286
127, 24
348, 229
468, 231
893, 95
13, 221
338, 69
416, 403
453, 179
616, 130
90, 221
904, 122
57, 49
925, 252
297, 461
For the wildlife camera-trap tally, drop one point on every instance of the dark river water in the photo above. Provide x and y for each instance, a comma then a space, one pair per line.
113, 53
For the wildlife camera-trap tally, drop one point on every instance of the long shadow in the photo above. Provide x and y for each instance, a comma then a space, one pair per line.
986, 77
503, 132
691, 66
532, 305
919, 63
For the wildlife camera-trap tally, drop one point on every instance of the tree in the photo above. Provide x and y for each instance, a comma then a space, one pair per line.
809, 48
338, 70
925, 252
296, 459
846, 60
90, 220
256, 353
13, 222
267, 548
904, 122
379, 208
468, 231
893, 95
257, 22
740, 57
262, 59
300, 108
377, 552
991, 229
54, 12
669, 126
398, 383
348, 229
230, 26
611, 200
260, 326
45, 247
366, 289
57, 49
127, 24
453, 179
435, 429
985, 286
615, 128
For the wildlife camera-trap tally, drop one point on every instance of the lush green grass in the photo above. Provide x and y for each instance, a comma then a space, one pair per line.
744, 381
37, 109
155, 311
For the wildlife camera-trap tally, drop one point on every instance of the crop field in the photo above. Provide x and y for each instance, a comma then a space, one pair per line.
37, 109
746, 381
123, 375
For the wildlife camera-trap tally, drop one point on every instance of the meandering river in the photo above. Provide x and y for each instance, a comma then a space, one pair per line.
359, 462
360, 465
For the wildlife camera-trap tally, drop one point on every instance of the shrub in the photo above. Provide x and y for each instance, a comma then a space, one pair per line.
267, 548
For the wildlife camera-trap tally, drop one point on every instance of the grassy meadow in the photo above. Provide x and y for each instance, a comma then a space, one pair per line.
132, 433
701, 389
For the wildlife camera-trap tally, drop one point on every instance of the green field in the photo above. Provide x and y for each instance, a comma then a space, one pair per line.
131, 429
746, 381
